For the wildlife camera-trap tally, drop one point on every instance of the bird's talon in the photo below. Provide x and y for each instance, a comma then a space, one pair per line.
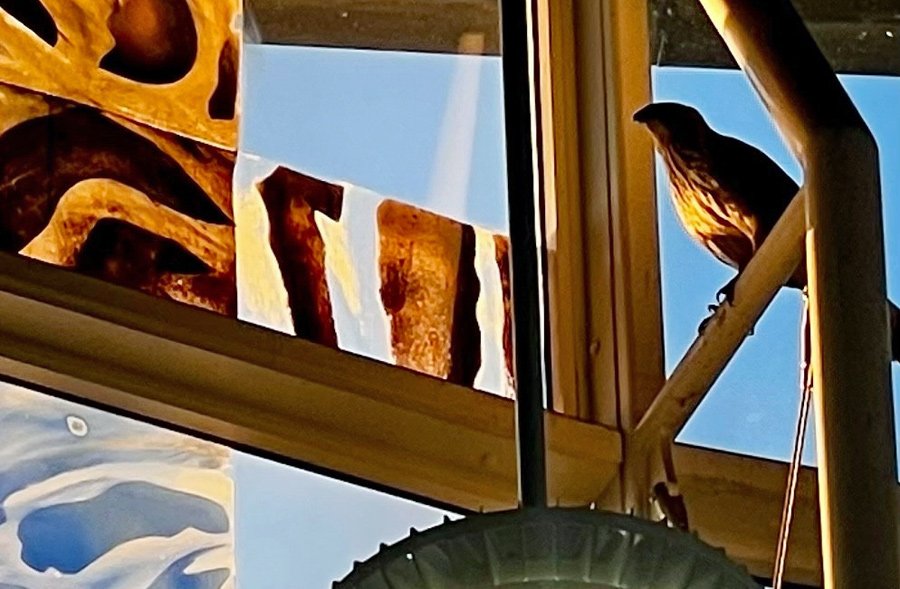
726, 293
713, 309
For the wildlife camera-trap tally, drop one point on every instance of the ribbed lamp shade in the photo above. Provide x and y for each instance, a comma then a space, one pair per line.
549, 548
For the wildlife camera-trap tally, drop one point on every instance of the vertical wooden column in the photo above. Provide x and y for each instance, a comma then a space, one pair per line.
567, 281
605, 309
845, 259
635, 265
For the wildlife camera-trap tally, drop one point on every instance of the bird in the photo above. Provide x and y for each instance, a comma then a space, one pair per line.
727, 194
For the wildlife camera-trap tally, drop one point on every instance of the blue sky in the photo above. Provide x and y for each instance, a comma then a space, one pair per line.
374, 119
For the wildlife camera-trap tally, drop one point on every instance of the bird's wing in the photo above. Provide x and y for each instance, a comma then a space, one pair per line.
754, 178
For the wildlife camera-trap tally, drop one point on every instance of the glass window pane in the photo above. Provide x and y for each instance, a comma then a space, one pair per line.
393, 162
369, 189
299, 529
91, 499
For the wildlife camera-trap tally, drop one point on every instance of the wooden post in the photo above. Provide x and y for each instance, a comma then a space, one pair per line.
845, 258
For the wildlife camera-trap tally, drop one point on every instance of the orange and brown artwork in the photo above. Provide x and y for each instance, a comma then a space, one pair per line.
429, 289
117, 141
118, 154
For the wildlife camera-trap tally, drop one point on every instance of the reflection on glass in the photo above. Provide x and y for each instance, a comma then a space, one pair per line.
89, 499
116, 161
362, 182
753, 407
119, 163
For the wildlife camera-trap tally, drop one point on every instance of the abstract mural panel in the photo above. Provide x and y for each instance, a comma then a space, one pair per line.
116, 154
170, 64
347, 267
117, 150
89, 499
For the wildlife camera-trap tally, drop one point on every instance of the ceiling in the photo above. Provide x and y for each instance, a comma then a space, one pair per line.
858, 36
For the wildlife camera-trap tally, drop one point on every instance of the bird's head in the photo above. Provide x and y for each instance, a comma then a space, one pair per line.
673, 124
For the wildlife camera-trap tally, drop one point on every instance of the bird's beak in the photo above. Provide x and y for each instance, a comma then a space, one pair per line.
645, 114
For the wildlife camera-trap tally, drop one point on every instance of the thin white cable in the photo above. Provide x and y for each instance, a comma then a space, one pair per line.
806, 387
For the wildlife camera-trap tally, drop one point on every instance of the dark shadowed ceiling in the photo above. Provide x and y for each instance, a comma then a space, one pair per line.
861, 36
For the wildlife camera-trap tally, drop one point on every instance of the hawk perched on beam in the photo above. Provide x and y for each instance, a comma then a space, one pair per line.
728, 194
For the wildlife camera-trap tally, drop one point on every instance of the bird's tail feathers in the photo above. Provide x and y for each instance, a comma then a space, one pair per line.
895, 332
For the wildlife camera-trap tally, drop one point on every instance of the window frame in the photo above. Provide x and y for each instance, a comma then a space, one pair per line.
300, 403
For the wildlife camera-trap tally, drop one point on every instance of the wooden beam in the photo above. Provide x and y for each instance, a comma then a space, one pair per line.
633, 216
569, 285
604, 263
688, 384
606, 312
279, 395
624, 338
646, 447
306, 404
735, 502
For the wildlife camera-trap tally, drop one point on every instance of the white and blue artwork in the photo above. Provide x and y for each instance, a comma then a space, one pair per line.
93, 500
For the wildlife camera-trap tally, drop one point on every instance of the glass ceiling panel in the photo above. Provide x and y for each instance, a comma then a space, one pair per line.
858, 36
410, 25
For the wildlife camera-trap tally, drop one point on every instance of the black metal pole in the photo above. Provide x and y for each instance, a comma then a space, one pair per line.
524, 251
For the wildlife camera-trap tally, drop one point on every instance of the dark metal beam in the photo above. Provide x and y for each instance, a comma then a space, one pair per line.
525, 251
